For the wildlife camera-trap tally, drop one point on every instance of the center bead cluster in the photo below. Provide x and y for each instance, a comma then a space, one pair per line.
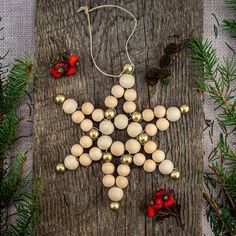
140, 149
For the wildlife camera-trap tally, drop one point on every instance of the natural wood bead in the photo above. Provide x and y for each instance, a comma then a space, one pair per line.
69, 106
150, 147
86, 141
129, 107
162, 124
86, 125
127, 81
87, 108
123, 170
76, 150
130, 94
106, 127
95, 153
121, 121
117, 148
149, 166
104, 142
173, 114
151, 129
132, 146
108, 180
111, 102
78, 117
108, 168
85, 159
98, 115
134, 129
160, 111
158, 156
121, 182
139, 159
148, 115
115, 194
117, 91
166, 167
71, 162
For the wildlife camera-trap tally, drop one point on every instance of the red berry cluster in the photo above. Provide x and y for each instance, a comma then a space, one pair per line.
64, 67
163, 205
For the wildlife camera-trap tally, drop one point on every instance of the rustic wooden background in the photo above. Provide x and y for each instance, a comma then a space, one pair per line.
75, 203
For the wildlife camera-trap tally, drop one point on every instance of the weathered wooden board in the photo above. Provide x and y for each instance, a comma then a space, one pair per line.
75, 203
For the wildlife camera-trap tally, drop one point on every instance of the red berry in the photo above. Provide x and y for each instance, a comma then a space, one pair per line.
160, 193
71, 71
72, 60
158, 204
169, 202
150, 211
55, 73
59, 69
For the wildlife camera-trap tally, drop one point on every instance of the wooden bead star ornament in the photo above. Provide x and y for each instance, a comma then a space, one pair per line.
139, 149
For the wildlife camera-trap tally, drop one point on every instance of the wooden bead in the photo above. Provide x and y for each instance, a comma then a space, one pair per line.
71, 162
166, 167
121, 121
108, 180
69, 106
123, 170
158, 156
127, 81
150, 147
86, 141
149, 165
151, 129
106, 127
104, 142
132, 146
121, 182
76, 150
85, 159
117, 148
115, 194
95, 153
111, 102
173, 114
134, 129
117, 91
162, 124
108, 168
159, 111
87, 108
129, 107
78, 117
130, 94
98, 115
139, 159
148, 115
86, 125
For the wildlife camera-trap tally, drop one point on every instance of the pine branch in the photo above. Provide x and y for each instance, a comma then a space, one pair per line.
230, 26
231, 4
13, 89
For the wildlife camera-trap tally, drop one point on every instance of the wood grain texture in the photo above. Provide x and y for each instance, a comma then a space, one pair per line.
75, 203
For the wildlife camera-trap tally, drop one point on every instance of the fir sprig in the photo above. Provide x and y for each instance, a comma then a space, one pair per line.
216, 79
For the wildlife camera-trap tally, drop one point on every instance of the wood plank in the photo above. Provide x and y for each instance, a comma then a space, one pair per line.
75, 203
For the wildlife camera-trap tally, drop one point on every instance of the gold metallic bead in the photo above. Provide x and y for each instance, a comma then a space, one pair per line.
184, 109
114, 206
60, 98
175, 174
110, 113
136, 116
126, 159
143, 138
128, 68
60, 168
107, 157
94, 134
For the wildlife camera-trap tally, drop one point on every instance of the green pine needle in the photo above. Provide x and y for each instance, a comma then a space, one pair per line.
230, 26
13, 89
231, 4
